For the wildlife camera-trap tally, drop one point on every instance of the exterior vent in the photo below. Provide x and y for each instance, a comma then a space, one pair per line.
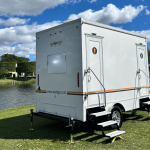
66, 21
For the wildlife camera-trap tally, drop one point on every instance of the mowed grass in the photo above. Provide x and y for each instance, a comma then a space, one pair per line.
17, 81
49, 134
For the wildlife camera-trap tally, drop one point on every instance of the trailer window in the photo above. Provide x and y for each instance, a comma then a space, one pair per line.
57, 63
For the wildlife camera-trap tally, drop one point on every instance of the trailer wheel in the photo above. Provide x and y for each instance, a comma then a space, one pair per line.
116, 115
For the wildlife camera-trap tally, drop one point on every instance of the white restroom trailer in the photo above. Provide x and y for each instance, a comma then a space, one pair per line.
82, 65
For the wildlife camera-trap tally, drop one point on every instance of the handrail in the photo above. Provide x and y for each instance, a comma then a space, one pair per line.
138, 71
100, 83
99, 99
143, 72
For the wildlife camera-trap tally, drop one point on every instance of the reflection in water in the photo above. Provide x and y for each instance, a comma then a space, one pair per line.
12, 96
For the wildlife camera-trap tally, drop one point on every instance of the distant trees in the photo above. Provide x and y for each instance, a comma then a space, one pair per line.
26, 67
5, 67
10, 66
13, 58
3, 72
8, 63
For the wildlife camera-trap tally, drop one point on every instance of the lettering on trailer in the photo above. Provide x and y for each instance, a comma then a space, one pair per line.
56, 43
57, 92
94, 50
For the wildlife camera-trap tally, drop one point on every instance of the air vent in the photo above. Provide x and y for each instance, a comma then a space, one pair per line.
66, 21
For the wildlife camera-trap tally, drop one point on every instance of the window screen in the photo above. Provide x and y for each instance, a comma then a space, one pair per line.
57, 63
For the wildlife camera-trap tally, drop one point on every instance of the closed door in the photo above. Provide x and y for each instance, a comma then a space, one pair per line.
94, 61
142, 65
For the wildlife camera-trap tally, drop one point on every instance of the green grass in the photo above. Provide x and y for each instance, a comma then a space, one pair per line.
49, 134
17, 80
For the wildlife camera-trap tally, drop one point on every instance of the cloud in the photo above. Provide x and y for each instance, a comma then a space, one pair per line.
23, 34
144, 32
147, 12
91, 1
13, 21
110, 14
29, 7
20, 40
19, 50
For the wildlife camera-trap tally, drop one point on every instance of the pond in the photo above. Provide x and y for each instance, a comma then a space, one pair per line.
12, 96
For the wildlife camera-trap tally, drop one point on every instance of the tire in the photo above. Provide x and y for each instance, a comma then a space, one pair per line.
117, 115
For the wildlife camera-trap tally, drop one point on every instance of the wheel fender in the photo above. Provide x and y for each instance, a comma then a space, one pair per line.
111, 106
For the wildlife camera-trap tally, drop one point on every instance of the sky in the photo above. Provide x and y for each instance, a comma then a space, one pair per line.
21, 19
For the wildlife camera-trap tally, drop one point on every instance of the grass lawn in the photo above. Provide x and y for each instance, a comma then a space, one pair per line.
49, 134
17, 80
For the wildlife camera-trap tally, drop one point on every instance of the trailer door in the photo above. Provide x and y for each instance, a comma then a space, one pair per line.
95, 62
142, 65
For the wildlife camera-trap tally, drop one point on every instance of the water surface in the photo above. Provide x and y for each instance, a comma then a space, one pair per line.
12, 96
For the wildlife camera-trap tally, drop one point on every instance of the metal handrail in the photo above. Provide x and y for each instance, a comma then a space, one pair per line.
99, 99
143, 72
138, 71
100, 83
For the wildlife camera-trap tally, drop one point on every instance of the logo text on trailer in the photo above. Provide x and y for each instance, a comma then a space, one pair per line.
56, 43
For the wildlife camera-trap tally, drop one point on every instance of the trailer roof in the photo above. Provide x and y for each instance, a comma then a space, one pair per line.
84, 21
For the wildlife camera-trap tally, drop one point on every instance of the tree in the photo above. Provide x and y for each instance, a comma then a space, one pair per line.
22, 59
3, 72
5, 67
26, 67
10, 66
13, 58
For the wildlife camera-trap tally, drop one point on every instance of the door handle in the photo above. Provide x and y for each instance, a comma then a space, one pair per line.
89, 78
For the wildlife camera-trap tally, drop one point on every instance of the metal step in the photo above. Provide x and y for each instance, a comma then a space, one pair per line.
146, 103
107, 123
115, 133
102, 113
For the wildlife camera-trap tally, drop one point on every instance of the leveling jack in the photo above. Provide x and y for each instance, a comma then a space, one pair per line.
71, 123
115, 139
31, 128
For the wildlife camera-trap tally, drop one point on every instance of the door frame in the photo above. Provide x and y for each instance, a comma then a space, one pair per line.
101, 65
146, 67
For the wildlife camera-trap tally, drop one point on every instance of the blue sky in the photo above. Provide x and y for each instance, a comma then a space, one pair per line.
20, 20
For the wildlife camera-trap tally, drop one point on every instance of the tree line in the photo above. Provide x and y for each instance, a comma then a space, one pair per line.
8, 64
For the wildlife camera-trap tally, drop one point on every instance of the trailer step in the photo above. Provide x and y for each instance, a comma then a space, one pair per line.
146, 103
103, 113
115, 133
107, 123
